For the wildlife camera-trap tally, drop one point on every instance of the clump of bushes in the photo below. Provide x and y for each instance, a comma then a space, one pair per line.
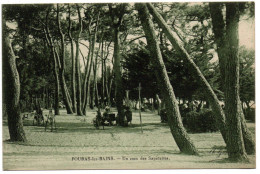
197, 122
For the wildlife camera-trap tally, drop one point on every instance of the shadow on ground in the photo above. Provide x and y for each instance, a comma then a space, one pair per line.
86, 127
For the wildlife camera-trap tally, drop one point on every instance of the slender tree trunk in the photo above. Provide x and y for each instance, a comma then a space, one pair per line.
95, 66
94, 83
105, 78
220, 39
109, 86
65, 94
55, 66
48, 98
78, 79
73, 69
57, 85
235, 147
86, 79
78, 72
88, 94
174, 118
91, 97
177, 44
104, 92
67, 91
97, 95
87, 76
87, 67
56, 93
11, 90
102, 75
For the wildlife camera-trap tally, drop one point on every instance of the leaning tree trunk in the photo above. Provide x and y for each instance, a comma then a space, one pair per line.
118, 78
220, 39
65, 94
11, 91
177, 44
49, 42
86, 85
174, 118
247, 135
235, 146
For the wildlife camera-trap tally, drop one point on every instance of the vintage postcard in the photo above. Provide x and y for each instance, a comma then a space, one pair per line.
128, 85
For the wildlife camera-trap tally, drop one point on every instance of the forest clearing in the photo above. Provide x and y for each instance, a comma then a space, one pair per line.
78, 138
128, 85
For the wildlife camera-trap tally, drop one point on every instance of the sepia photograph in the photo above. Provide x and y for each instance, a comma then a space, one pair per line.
128, 85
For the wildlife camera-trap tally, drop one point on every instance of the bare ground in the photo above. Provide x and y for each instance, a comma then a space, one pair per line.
78, 145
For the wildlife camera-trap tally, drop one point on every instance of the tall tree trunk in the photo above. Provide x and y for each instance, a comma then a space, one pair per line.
78, 79
78, 72
94, 83
11, 90
220, 39
118, 78
116, 15
95, 66
174, 118
65, 94
73, 69
87, 67
56, 93
109, 88
235, 148
105, 102
49, 41
87, 77
97, 96
105, 78
177, 44
48, 99
67, 91
92, 94
102, 75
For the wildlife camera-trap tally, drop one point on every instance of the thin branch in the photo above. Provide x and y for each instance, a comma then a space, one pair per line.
83, 58
136, 39
84, 45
